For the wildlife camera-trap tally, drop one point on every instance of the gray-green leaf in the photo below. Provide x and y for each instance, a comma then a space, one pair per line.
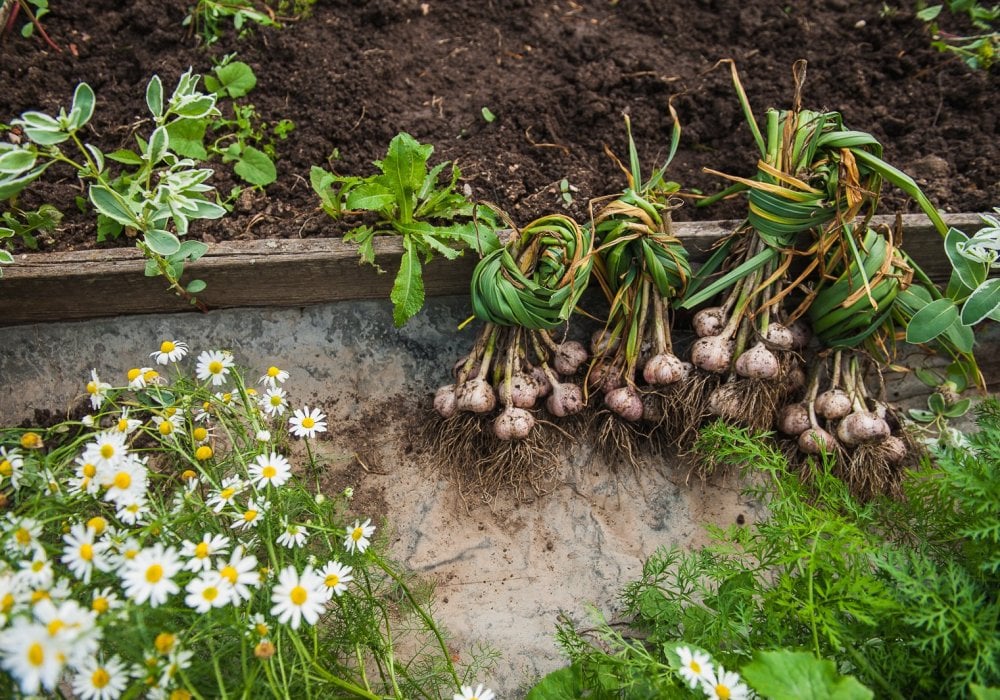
162, 242
154, 96
108, 203
931, 321
983, 301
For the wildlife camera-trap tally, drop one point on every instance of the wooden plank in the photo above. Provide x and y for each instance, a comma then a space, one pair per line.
99, 283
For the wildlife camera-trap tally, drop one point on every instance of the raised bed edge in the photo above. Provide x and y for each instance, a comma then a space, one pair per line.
289, 272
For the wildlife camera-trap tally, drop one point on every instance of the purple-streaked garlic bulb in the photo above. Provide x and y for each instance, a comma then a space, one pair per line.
814, 441
793, 419
712, 353
566, 399
757, 362
862, 427
626, 402
833, 404
445, 402
709, 321
894, 448
569, 356
602, 342
801, 334
542, 384
523, 390
513, 424
663, 369
605, 376
779, 336
475, 396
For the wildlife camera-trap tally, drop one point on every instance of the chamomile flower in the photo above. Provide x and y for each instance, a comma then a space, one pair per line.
696, 666
214, 365
306, 423
269, 470
105, 600
298, 597
725, 685
251, 516
199, 555
335, 577
37, 571
293, 535
107, 450
11, 467
71, 624
231, 487
150, 575
480, 692
141, 377
273, 377
358, 537
168, 425
125, 481
97, 390
82, 554
274, 402
241, 572
170, 351
97, 680
258, 626
32, 656
263, 435
207, 591
84, 479
22, 533
133, 509
126, 425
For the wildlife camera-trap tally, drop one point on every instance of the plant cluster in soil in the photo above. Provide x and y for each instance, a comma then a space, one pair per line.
557, 76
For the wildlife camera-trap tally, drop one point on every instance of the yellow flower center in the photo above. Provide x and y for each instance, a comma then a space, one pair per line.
123, 425
308, 422
107, 451
275, 400
203, 453
214, 366
723, 692
134, 373
332, 580
695, 666
357, 533
100, 678
39, 595
6, 468
154, 573
201, 550
36, 655
180, 694
100, 605
91, 387
31, 441
188, 474
299, 595
7, 603
123, 480
130, 553
227, 493
170, 411
167, 346
227, 397
273, 372
37, 565
164, 642
210, 593
151, 375
249, 516
166, 427
89, 470
262, 629
229, 573
269, 472
54, 627
23, 536
200, 434
87, 551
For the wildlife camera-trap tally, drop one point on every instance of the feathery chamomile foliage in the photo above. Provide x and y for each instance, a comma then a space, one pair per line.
171, 545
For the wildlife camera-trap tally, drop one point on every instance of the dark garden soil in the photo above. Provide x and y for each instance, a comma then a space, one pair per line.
557, 76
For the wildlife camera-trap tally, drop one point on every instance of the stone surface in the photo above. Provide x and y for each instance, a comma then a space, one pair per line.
502, 575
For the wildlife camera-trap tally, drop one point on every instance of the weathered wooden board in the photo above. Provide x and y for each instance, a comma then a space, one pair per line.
99, 283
